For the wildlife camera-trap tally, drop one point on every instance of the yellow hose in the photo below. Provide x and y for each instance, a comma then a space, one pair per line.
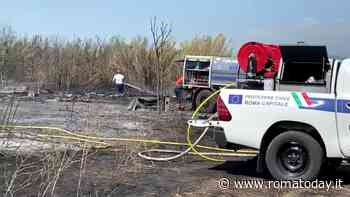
189, 130
102, 144
93, 139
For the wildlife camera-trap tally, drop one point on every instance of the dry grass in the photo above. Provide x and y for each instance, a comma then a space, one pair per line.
45, 173
57, 165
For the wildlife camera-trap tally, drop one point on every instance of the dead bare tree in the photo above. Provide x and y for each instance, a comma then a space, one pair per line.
7, 40
161, 35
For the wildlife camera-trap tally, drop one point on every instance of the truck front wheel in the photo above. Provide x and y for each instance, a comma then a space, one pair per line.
294, 155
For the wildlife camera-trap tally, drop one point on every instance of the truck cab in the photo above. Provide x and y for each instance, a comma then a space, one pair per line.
302, 124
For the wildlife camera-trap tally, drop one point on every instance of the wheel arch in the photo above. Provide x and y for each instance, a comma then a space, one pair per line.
283, 126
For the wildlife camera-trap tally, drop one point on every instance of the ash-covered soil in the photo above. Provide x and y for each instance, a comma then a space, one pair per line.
62, 169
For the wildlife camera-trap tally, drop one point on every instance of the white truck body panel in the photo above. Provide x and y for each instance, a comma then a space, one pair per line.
254, 112
343, 106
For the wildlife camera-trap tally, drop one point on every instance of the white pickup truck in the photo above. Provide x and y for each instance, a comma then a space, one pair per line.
298, 127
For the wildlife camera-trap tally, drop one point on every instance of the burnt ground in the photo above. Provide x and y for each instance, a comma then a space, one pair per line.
38, 169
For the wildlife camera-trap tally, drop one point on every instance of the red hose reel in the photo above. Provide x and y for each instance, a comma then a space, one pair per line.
262, 53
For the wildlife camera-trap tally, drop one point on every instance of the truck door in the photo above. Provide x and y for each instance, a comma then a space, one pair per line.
343, 106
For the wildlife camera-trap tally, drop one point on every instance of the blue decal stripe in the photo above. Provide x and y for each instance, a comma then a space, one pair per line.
341, 106
329, 105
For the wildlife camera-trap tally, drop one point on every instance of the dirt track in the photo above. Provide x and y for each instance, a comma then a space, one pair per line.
119, 171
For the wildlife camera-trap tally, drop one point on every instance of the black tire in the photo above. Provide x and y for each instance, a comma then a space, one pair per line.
294, 155
210, 107
331, 165
334, 163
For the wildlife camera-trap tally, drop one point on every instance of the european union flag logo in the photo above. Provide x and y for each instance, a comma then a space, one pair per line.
235, 99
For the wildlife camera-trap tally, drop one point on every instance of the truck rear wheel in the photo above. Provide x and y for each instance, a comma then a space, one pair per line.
210, 107
294, 155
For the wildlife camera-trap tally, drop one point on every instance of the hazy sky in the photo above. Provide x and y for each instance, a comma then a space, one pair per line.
281, 21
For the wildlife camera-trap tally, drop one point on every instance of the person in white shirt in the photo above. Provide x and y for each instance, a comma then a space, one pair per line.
118, 79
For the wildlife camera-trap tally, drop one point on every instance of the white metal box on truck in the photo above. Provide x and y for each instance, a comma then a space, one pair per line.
204, 74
